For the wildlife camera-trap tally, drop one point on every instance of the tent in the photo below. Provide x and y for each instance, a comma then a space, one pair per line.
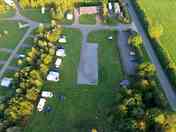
47, 94
58, 62
60, 53
53, 76
9, 2
6, 82
41, 104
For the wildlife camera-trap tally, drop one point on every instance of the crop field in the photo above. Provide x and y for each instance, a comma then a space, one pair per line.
14, 34
163, 12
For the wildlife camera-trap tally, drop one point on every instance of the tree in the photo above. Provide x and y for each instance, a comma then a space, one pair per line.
135, 40
155, 30
146, 70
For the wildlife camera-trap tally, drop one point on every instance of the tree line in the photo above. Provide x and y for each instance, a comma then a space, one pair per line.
29, 79
141, 106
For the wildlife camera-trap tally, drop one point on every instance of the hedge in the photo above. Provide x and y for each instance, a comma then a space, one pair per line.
163, 56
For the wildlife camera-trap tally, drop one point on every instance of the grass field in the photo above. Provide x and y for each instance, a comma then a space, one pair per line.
14, 34
4, 56
84, 106
163, 12
88, 19
35, 14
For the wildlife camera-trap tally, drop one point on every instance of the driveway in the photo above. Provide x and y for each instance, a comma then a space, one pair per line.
128, 65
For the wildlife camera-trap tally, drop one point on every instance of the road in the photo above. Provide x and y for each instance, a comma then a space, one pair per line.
165, 84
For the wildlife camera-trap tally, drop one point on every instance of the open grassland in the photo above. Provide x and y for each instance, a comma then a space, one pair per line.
8, 13
84, 106
163, 12
35, 14
14, 34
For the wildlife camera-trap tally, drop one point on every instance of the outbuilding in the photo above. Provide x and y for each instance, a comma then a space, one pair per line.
6, 82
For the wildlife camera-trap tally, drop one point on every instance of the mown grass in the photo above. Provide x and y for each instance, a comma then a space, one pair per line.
163, 12
88, 19
84, 106
14, 34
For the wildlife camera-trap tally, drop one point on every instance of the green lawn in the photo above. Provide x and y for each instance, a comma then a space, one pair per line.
9, 13
14, 34
163, 12
4, 56
84, 106
35, 14
88, 19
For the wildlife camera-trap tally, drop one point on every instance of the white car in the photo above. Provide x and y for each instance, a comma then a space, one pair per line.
132, 53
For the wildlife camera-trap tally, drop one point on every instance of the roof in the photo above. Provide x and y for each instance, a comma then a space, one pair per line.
88, 10
6, 82
41, 104
58, 62
47, 94
60, 53
53, 76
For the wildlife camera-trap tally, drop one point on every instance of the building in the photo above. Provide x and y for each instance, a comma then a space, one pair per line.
41, 104
47, 94
6, 82
53, 76
58, 62
88, 10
